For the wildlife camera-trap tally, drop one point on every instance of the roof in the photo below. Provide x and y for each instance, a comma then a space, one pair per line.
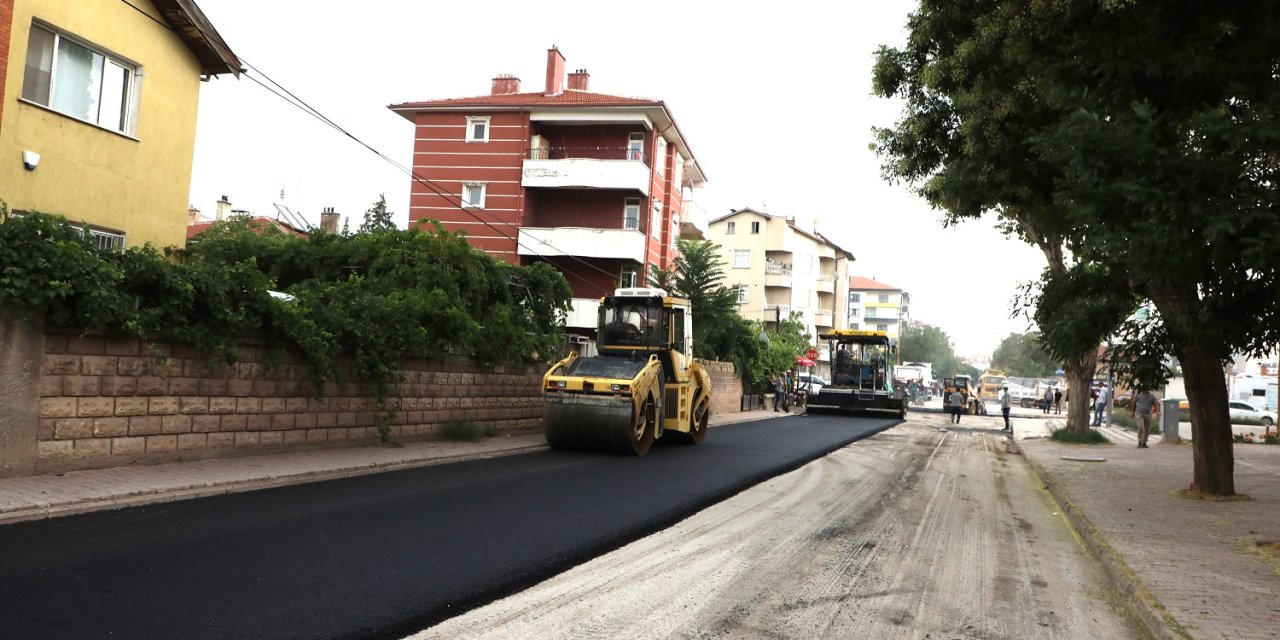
740, 211
859, 283
817, 237
533, 99
259, 223
190, 23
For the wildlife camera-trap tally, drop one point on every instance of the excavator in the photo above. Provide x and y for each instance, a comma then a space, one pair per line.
643, 385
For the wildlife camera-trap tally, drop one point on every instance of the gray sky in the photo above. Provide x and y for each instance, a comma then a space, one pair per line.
774, 99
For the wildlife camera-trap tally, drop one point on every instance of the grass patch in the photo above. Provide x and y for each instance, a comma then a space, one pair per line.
465, 431
1088, 437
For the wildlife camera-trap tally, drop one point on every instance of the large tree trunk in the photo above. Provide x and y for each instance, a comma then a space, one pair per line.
1201, 351
1080, 372
1210, 423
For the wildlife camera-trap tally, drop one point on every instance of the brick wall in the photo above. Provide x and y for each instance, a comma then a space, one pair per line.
726, 387
109, 402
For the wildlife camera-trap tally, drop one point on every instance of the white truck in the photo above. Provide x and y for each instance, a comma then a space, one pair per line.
921, 372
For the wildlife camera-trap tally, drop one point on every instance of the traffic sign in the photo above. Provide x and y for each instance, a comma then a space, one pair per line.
811, 354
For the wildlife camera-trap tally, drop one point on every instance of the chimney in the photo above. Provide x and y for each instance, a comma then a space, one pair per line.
224, 207
329, 220
504, 84
555, 71
193, 215
579, 80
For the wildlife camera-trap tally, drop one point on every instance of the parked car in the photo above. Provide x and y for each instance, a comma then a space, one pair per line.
815, 382
1242, 411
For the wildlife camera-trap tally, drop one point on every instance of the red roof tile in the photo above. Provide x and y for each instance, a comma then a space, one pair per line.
538, 99
859, 283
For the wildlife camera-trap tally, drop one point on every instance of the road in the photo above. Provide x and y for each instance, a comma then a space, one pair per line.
374, 556
922, 531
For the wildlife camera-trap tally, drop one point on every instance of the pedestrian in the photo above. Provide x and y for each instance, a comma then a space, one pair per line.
1057, 401
779, 390
1005, 403
1100, 407
912, 390
957, 405
1144, 408
1048, 399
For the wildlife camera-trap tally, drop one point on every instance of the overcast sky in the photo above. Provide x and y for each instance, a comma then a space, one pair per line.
774, 98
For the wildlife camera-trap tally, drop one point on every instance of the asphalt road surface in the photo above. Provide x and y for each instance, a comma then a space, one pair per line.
924, 531
375, 556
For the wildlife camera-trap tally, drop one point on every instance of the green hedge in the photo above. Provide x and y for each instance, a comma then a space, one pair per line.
379, 297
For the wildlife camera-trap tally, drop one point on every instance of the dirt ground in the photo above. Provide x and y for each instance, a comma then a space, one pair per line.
922, 531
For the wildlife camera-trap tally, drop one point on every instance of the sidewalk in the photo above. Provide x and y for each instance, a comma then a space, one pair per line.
39, 497
1191, 568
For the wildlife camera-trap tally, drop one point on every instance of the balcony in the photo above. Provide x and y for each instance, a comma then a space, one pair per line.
621, 244
825, 284
586, 168
777, 275
822, 319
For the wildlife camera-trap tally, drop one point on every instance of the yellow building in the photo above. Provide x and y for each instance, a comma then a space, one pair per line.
98, 106
779, 268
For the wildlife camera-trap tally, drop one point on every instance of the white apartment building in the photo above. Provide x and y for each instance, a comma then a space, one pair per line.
778, 268
876, 306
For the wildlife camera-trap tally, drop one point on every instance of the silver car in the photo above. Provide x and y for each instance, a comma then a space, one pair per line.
815, 382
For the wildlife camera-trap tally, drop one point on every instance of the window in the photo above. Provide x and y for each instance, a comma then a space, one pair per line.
882, 327
853, 325
107, 240
742, 294
755, 228
80, 81
660, 157
478, 129
883, 297
855, 297
742, 259
631, 214
635, 146
628, 277
854, 313
657, 218
473, 195
730, 228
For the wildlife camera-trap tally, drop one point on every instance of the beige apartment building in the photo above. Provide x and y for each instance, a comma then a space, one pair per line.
779, 268
877, 306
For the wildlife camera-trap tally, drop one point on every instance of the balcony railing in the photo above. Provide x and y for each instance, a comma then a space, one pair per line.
777, 269
591, 153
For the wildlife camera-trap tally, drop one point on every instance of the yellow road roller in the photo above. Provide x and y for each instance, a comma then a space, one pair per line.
643, 385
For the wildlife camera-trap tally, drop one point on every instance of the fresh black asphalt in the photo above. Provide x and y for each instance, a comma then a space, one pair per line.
378, 556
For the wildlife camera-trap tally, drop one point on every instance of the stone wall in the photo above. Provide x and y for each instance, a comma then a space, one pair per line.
70, 402
726, 387
108, 402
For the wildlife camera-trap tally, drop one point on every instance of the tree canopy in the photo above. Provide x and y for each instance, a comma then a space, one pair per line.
377, 218
1136, 144
1020, 354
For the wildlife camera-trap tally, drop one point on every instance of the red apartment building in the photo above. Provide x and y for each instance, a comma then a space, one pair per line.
593, 184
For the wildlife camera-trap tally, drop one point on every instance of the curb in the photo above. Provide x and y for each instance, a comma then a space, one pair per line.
1153, 614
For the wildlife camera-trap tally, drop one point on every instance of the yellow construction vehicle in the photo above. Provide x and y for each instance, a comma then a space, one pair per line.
990, 382
861, 378
973, 405
644, 383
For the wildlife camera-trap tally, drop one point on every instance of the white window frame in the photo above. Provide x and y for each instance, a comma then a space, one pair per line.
660, 156
127, 119
631, 213
883, 298
855, 297
479, 203
882, 327
627, 276
855, 313
730, 228
472, 121
742, 294
635, 145
741, 258
657, 218
755, 227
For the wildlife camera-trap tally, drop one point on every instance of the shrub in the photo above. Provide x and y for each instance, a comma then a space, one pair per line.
1089, 437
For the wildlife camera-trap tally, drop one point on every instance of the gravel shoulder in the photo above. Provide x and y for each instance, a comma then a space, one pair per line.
922, 531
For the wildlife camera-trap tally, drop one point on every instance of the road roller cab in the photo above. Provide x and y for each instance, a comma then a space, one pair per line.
643, 385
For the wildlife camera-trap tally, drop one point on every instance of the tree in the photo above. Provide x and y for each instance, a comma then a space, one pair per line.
1019, 354
377, 218
1141, 139
927, 343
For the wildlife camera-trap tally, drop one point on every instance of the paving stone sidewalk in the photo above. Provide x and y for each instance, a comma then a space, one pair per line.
38, 497
1193, 568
